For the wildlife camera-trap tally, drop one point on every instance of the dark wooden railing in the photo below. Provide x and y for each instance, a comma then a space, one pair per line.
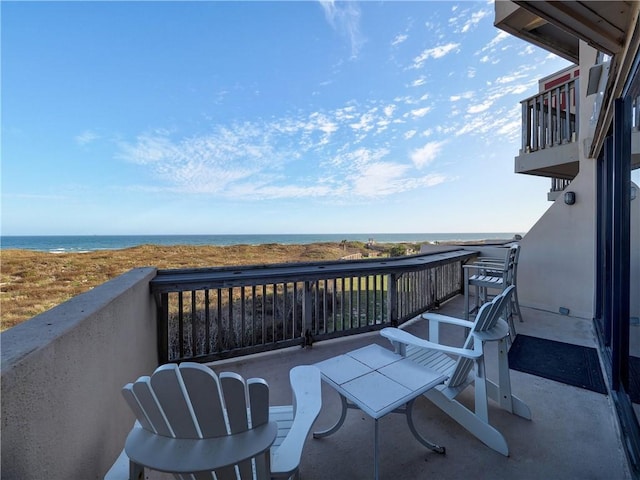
550, 117
213, 313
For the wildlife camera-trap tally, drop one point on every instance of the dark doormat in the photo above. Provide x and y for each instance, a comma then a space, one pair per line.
563, 362
634, 379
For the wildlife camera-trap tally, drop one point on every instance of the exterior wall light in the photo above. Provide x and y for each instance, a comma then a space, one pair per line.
569, 198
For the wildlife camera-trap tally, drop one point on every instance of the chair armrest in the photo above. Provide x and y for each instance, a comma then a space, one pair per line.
400, 336
307, 402
446, 319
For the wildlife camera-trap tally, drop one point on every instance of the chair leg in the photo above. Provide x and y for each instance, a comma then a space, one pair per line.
516, 302
501, 392
482, 430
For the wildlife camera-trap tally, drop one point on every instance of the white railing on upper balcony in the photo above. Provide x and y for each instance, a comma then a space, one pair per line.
559, 184
550, 118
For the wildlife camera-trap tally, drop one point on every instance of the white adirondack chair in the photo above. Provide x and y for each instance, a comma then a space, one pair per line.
192, 423
465, 366
494, 274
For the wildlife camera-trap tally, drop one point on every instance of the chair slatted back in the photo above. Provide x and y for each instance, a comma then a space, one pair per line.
485, 320
190, 401
512, 264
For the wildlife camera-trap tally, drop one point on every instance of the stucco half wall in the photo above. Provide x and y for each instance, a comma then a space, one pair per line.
62, 412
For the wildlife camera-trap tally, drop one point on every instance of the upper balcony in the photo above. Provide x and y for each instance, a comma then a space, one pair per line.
62, 371
550, 119
550, 128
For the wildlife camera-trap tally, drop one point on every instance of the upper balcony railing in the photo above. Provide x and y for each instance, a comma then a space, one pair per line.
551, 117
214, 313
559, 184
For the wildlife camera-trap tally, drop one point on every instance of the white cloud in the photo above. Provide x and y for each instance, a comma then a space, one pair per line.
358, 158
379, 179
399, 39
365, 123
501, 36
86, 137
466, 95
389, 109
528, 50
321, 122
519, 89
510, 128
418, 82
509, 78
432, 180
345, 17
480, 107
435, 52
345, 113
409, 134
421, 157
474, 20
262, 191
382, 125
420, 112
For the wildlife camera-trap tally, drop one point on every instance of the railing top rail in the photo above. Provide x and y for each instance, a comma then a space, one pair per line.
223, 277
555, 87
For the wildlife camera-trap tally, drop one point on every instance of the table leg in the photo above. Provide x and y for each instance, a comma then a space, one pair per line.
334, 429
420, 438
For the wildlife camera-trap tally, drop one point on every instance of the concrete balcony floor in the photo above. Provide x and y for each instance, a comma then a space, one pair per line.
572, 435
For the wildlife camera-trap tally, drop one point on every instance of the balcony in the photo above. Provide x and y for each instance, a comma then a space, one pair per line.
63, 417
550, 129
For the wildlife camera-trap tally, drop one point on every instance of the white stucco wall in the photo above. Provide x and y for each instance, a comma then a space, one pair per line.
557, 260
63, 416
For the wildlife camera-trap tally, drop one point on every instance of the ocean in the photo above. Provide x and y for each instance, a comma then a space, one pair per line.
88, 243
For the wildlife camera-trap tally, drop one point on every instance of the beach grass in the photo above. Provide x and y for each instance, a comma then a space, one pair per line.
32, 282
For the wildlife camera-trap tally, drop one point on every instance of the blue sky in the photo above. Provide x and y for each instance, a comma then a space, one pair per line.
264, 117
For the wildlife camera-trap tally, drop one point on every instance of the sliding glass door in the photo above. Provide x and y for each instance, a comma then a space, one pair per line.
618, 275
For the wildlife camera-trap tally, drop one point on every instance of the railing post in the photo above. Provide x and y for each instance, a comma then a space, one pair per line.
307, 310
558, 129
536, 126
567, 109
392, 308
434, 286
549, 124
576, 93
162, 316
525, 126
